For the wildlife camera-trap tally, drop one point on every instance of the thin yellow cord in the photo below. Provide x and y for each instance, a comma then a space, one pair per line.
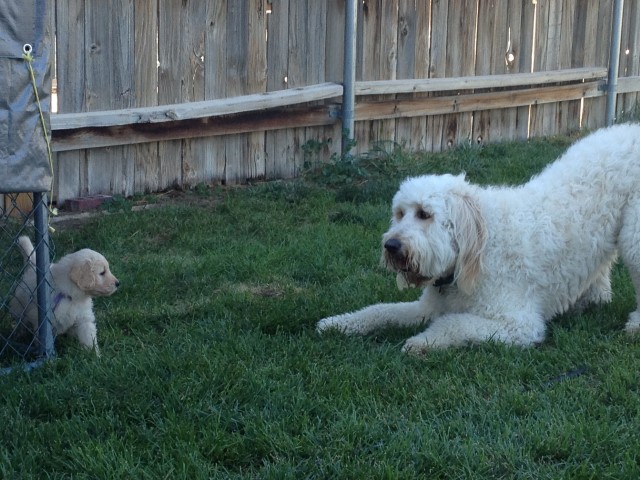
29, 59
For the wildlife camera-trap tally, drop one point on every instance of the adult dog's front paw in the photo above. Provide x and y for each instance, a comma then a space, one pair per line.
330, 323
340, 323
417, 346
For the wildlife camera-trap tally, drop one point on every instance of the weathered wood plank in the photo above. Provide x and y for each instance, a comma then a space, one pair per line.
460, 61
214, 149
421, 68
256, 82
172, 70
334, 65
146, 164
406, 59
493, 44
437, 67
194, 32
298, 72
478, 81
70, 75
368, 53
109, 46
334, 45
279, 157
627, 104
599, 26
270, 120
475, 102
191, 110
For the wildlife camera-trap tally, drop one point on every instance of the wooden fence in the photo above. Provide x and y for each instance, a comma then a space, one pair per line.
155, 93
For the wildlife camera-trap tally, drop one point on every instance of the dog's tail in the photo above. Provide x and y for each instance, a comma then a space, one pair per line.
28, 252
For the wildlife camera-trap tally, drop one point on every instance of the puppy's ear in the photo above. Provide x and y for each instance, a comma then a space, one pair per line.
471, 236
82, 274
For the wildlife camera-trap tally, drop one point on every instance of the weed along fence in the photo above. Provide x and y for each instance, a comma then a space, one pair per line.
164, 92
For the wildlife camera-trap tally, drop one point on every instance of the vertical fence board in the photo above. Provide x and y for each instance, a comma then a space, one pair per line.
514, 122
334, 65
215, 83
316, 55
109, 85
366, 62
547, 57
437, 67
567, 119
171, 78
297, 73
627, 104
421, 68
279, 159
594, 112
256, 82
147, 167
380, 28
524, 48
460, 61
407, 38
70, 69
194, 151
492, 39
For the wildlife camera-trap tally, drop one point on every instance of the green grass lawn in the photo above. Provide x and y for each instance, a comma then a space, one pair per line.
211, 366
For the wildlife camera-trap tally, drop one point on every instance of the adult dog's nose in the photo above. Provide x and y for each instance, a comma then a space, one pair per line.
393, 246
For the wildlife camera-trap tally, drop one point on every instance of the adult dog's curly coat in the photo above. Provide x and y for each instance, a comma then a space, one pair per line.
498, 262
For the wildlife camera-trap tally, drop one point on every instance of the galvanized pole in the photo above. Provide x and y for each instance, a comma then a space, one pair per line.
614, 60
43, 275
348, 95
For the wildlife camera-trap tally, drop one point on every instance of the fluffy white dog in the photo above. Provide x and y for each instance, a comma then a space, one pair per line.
498, 262
76, 278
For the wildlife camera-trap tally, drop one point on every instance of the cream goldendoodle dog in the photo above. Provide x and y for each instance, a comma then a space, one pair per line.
76, 279
498, 262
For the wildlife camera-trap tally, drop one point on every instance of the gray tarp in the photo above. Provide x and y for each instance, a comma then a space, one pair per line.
24, 162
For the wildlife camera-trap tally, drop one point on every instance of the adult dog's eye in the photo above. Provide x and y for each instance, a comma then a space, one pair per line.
423, 215
399, 214
103, 273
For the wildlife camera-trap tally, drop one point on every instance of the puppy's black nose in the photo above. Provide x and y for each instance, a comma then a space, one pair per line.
117, 283
393, 245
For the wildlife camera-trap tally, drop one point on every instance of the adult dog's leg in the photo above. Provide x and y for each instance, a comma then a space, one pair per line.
629, 245
376, 316
521, 328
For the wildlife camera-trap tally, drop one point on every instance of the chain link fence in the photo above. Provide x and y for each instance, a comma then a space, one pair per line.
22, 343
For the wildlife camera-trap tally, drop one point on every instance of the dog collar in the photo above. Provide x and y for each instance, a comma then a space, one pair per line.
57, 299
444, 281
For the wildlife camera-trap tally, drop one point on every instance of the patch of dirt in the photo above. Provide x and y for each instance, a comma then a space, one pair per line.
70, 220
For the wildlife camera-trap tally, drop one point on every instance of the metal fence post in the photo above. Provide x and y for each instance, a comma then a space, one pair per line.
348, 98
43, 275
614, 60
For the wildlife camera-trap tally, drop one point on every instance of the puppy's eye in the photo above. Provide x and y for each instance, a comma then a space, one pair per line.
399, 214
103, 273
423, 215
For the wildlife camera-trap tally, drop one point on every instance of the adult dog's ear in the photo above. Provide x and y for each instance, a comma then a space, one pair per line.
471, 236
82, 274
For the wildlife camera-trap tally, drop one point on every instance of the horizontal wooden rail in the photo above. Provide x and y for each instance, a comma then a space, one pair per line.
391, 87
628, 84
193, 110
246, 122
415, 107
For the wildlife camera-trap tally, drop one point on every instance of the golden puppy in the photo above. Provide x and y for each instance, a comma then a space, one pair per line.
76, 279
